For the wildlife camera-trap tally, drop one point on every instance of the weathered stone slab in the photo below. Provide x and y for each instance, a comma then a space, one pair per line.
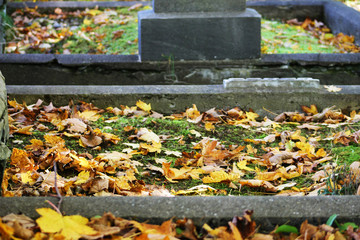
269, 211
299, 84
2, 35
162, 6
168, 99
341, 18
199, 36
4, 127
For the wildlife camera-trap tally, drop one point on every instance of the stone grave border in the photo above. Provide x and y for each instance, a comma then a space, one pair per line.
268, 211
51, 69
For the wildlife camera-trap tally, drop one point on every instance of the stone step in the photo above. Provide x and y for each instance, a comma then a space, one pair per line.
176, 98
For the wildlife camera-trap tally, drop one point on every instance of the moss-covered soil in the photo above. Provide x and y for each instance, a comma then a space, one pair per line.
136, 151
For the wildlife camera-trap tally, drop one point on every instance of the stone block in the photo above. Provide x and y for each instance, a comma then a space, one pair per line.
4, 127
199, 36
2, 35
300, 84
163, 6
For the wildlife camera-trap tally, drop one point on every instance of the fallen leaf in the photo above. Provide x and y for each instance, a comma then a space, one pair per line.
70, 227
90, 140
332, 88
143, 106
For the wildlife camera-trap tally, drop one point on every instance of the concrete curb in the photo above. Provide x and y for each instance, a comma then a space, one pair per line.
121, 60
83, 69
268, 211
176, 98
69, 5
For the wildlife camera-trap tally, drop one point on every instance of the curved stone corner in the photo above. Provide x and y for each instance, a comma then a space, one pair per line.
4, 127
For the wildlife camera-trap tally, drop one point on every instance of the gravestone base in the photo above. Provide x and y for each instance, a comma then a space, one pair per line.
199, 35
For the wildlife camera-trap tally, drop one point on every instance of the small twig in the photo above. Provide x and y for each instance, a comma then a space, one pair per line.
270, 111
56, 188
55, 207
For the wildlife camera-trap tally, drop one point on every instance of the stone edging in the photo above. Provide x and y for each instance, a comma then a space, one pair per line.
268, 211
4, 128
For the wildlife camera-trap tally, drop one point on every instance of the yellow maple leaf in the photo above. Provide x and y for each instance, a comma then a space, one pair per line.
306, 148
219, 176
209, 126
71, 227
87, 21
155, 147
321, 153
251, 116
6, 232
83, 177
53, 140
90, 115
143, 106
26, 177
242, 165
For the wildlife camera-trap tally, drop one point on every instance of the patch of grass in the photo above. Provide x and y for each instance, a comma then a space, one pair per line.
347, 155
280, 38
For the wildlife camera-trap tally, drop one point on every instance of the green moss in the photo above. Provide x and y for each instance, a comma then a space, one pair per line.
347, 155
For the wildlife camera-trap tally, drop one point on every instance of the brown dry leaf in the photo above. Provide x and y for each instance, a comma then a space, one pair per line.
117, 34
148, 135
99, 185
90, 140
22, 160
135, 6
355, 168
172, 174
49, 180
21, 232
25, 221
245, 225
73, 125
279, 157
309, 126
108, 137
259, 183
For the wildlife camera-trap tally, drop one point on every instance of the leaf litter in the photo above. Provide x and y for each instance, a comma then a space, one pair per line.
135, 151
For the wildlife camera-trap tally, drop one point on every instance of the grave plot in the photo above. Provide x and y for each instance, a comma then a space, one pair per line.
268, 84
115, 31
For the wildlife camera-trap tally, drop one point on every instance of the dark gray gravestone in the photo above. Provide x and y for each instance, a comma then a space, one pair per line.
166, 6
199, 30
